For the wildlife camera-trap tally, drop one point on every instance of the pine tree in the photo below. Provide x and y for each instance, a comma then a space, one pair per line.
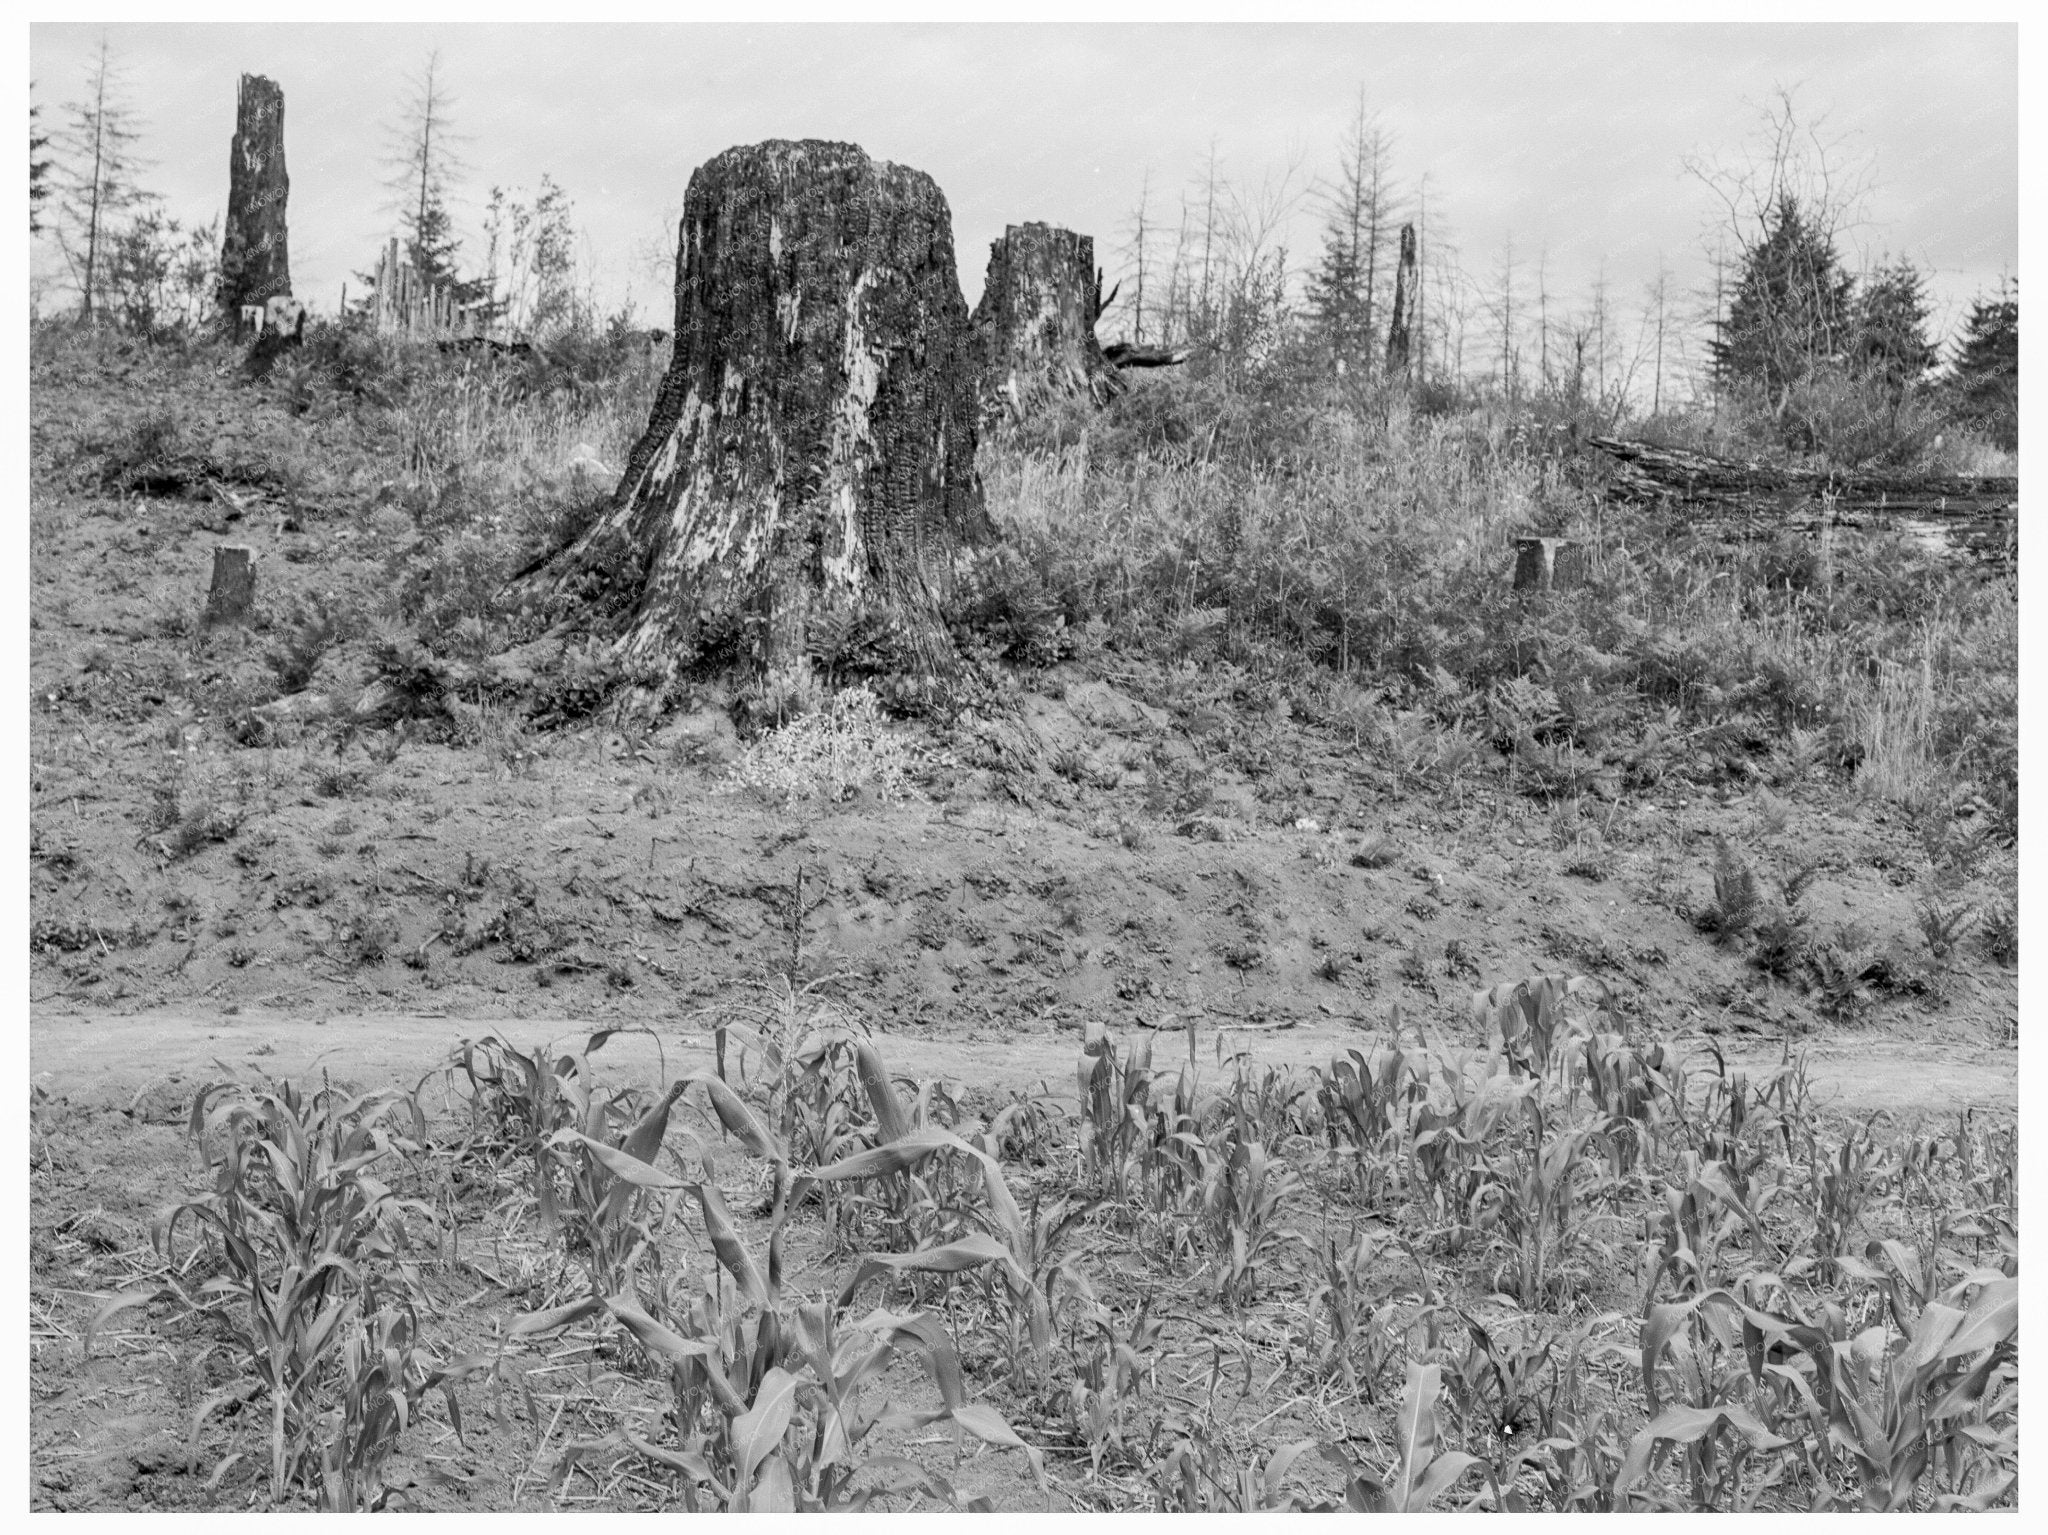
1891, 327
1791, 310
1984, 378
424, 163
38, 169
1359, 218
96, 170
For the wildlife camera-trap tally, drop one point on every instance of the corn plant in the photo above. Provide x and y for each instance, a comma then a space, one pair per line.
1528, 1017
1363, 1102
1115, 1091
382, 1381
1266, 1103
1034, 1254
1946, 1393
1243, 1187
1501, 1382
1368, 1330
1703, 1209
1111, 1371
1533, 1203
1199, 1475
1577, 1462
1172, 1152
318, 1286
1634, 1089
768, 1398
1027, 1128
1716, 1348
1840, 1185
1420, 1472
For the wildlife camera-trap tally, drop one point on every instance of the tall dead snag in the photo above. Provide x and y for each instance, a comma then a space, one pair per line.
1404, 306
807, 476
1035, 324
255, 266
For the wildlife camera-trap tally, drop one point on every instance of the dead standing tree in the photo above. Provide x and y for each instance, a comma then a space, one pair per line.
1399, 327
1035, 324
255, 264
806, 479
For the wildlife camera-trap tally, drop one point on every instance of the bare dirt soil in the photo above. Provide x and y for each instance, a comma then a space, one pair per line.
116, 1061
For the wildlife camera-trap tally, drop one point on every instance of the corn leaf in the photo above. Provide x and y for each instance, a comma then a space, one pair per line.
1680, 1424
900, 1155
757, 1432
532, 1322
890, 1119
732, 1252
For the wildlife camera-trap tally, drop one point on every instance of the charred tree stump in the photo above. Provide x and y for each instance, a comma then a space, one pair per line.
806, 479
1548, 564
1035, 324
255, 265
234, 585
1404, 306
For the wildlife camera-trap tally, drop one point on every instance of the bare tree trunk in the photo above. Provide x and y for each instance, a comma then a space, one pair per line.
1035, 324
806, 480
254, 262
1398, 326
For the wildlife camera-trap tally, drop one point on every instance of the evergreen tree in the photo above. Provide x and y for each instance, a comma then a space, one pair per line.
1360, 217
424, 163
1891, 327
1791, 311
38, 170
96, 170
1984, 378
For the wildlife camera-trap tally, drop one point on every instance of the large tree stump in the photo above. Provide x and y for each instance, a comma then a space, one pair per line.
806, 479
1035, 324
234, 584
255, 265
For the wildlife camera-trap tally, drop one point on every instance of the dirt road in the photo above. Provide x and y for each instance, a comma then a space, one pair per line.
116, 1058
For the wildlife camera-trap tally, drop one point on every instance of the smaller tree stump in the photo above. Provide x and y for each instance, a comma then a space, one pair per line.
1035, 324
234, 584
1548, 564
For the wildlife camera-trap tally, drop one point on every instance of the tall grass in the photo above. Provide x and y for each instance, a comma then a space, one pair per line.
1381, 556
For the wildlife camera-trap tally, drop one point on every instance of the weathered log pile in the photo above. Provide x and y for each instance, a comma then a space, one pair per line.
1969, 515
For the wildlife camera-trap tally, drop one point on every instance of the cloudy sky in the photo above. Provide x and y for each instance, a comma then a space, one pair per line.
1568, 140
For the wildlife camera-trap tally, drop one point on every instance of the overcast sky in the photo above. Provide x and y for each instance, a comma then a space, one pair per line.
1569, 139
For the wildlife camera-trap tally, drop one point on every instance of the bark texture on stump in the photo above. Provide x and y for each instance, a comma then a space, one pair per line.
234, 584
1404, 306
1035, 324
807, 474
1546, 564
255, 265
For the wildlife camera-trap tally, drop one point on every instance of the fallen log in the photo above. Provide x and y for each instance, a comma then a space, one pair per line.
1965, 514
1124, 354
1647, 471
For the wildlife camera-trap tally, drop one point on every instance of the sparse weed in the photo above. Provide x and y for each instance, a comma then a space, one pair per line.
830, 753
